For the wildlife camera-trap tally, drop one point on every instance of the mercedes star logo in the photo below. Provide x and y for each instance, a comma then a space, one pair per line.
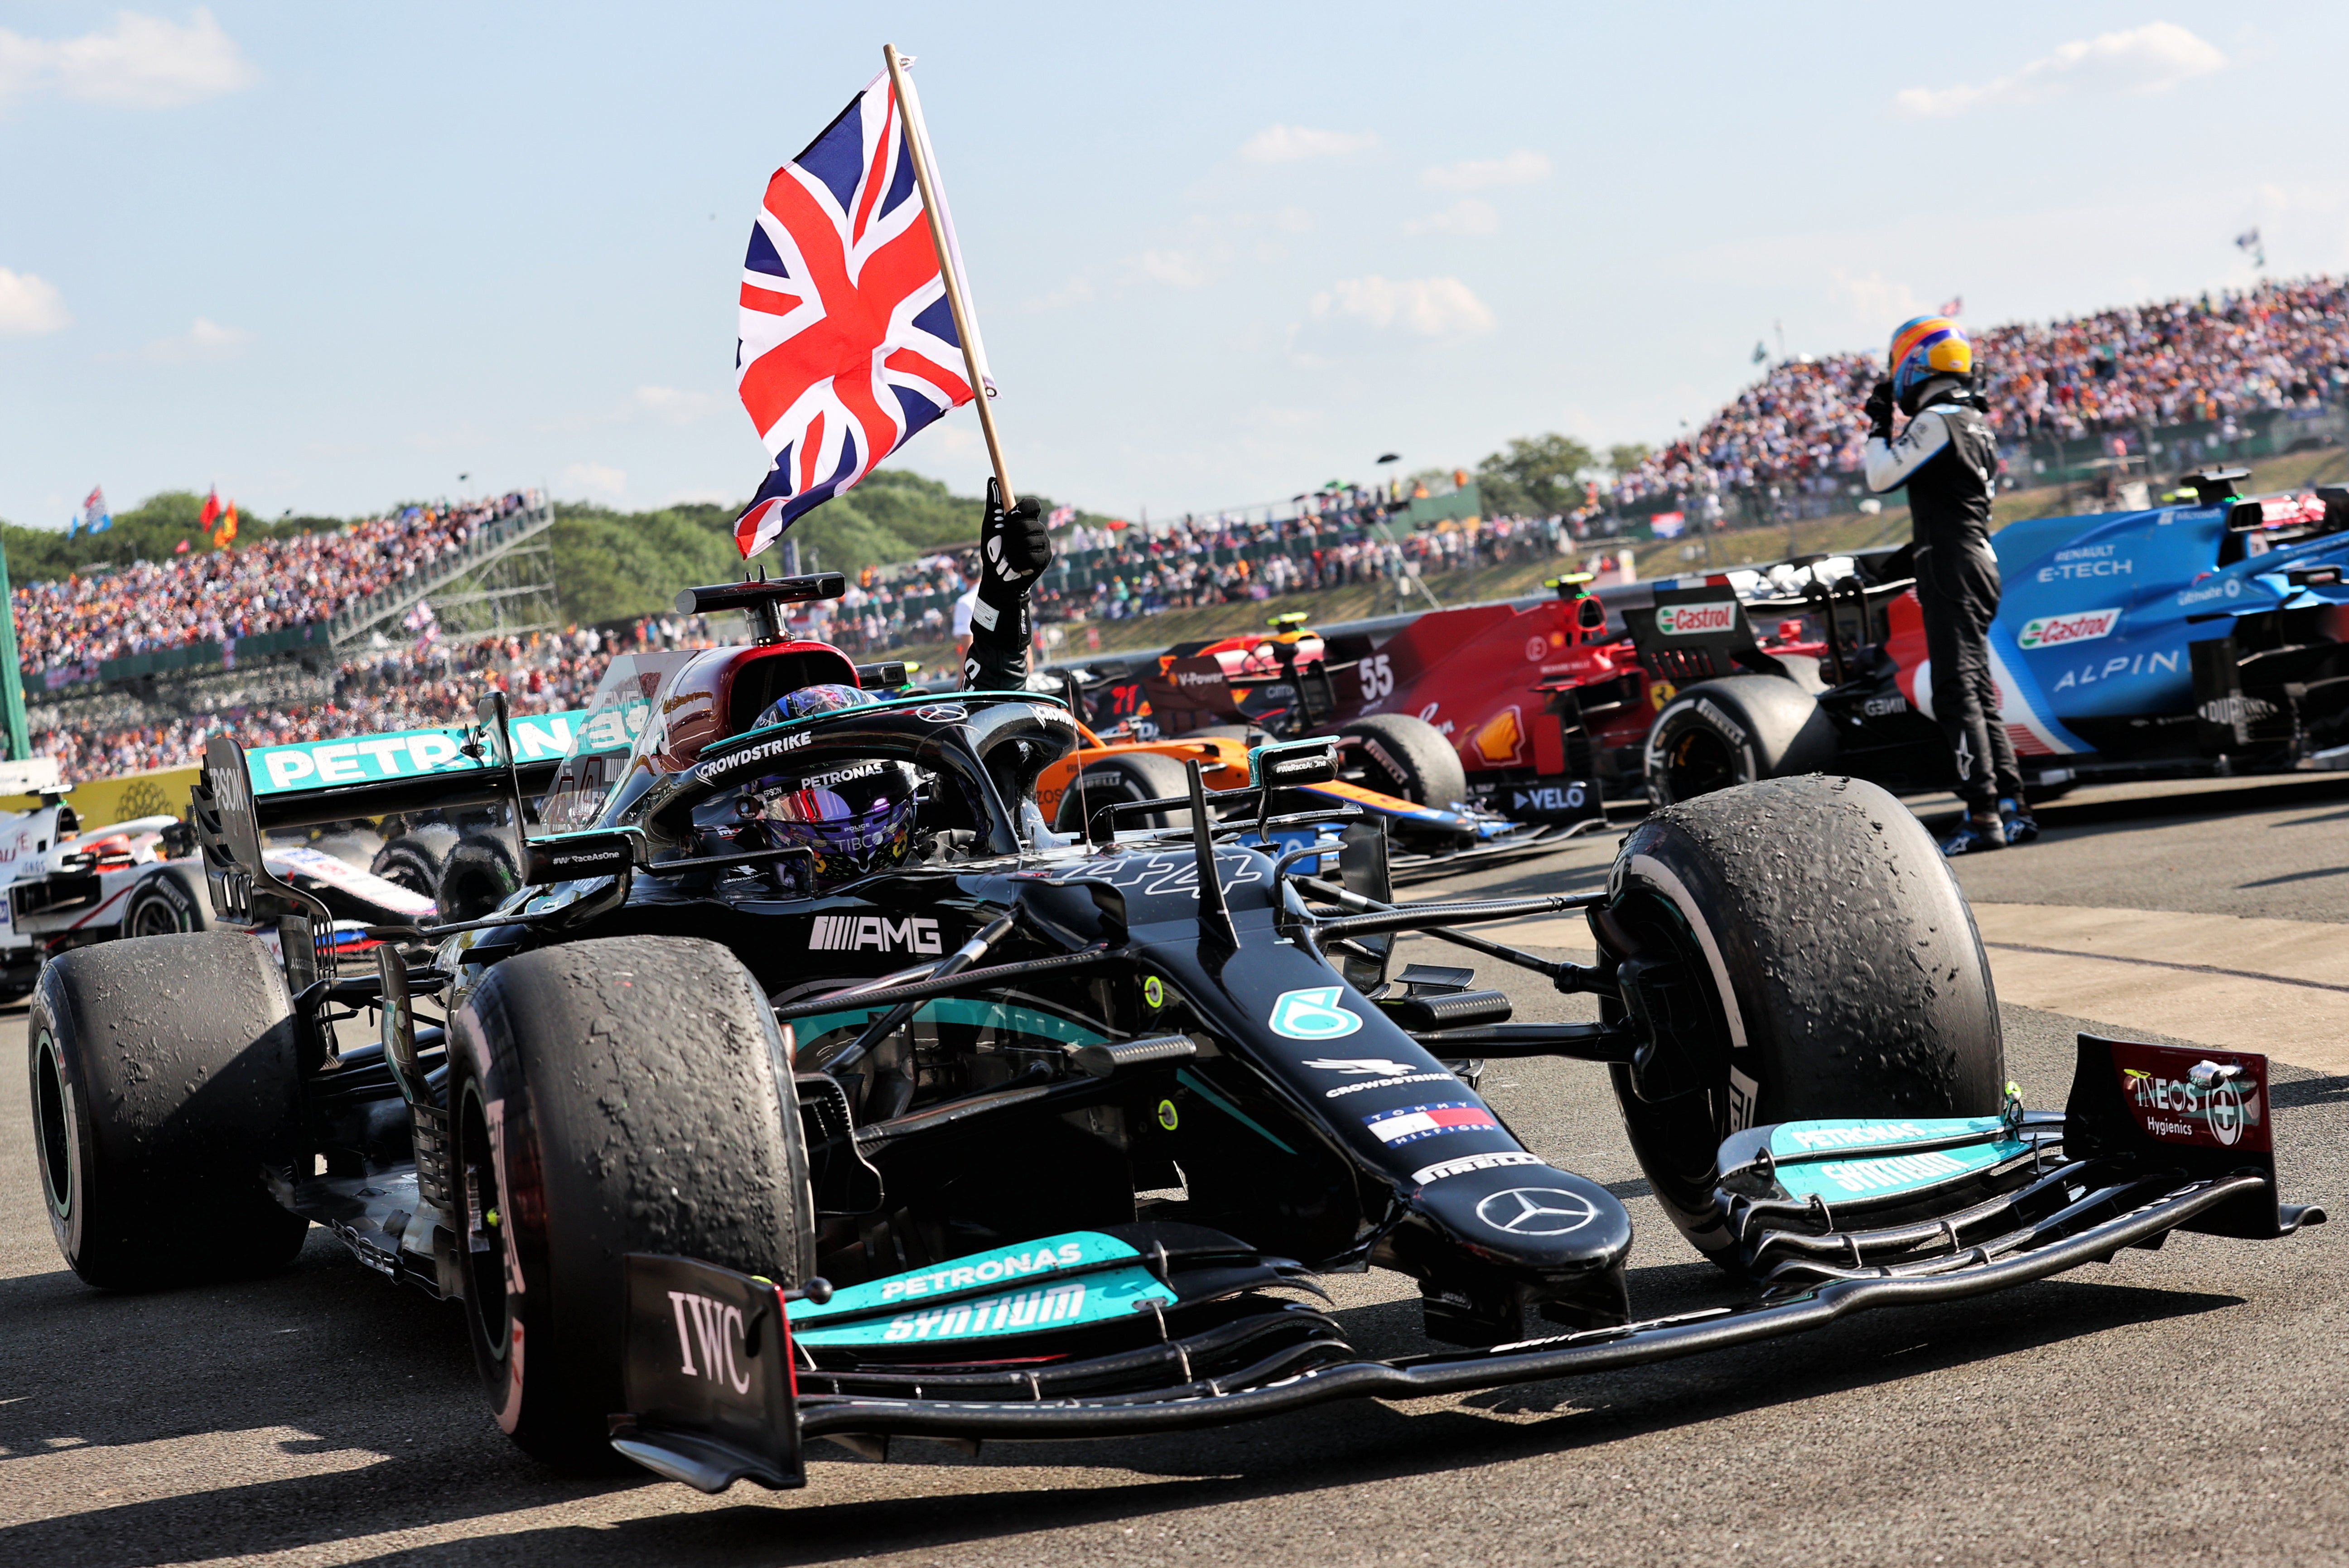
1536, 1211
942, 713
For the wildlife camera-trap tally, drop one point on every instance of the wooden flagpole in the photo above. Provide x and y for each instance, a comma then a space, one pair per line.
917, 139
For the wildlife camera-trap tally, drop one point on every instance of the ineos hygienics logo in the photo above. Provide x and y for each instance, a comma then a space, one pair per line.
1536, 1211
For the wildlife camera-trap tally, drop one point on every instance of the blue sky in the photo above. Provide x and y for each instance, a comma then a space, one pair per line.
332, 257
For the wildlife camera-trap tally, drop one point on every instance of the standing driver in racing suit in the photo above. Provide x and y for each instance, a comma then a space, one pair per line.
1949, 461
1014, 548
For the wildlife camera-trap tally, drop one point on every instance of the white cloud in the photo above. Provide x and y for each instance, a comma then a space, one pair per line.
202, 340
1293, 221
597, 479
1176, 269
1467, 216
2151, 58
1289, 143
1427, 306
141, 62
1519, 168
672, 406
29, 304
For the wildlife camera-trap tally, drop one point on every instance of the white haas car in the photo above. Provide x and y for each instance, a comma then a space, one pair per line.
143, 878
25, 838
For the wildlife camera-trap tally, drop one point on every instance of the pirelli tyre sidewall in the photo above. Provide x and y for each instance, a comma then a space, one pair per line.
1735, 731
615, 1096
1120, 777
1402, 755
168, 900
1838, 966
479, 874
164, 1079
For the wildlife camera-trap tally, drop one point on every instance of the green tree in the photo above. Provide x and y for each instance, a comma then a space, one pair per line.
1536, 476
1625, 456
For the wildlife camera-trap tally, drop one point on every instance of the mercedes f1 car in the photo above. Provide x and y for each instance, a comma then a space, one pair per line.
754, 1118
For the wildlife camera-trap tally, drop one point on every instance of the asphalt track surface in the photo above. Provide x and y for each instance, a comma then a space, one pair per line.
2180, 1406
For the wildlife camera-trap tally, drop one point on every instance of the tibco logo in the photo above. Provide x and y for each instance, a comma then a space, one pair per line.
1694, 620
856, 933
2079, 625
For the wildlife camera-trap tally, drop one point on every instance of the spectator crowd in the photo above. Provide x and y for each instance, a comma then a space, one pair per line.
2277, 345
266, 585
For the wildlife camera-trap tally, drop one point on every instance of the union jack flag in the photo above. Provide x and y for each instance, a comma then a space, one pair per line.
847, 344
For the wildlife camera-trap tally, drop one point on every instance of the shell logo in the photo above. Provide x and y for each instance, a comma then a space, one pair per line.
1498, 738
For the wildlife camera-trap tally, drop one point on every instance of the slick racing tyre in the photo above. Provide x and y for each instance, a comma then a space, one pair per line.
1802, 951
413, 859
1120, 777
478, 875
623, 1095
1735, 731
1398, 754
164, 1079
167, 900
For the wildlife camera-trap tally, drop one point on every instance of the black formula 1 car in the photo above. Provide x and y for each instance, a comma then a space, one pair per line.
725, 1144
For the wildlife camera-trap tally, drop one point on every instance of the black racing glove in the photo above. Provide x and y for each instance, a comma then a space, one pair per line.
1878, 409
1014, 549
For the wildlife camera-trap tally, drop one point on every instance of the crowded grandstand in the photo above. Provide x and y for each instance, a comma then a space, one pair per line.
2277, 346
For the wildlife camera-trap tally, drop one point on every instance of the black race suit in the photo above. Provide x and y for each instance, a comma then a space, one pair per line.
1950, 463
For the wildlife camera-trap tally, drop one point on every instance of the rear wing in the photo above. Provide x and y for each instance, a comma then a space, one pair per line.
1691, 634
242, 794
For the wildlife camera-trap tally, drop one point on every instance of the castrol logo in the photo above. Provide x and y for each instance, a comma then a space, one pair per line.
2079, 625
1696, 620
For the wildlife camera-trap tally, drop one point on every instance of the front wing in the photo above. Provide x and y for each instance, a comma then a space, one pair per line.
2153, 1140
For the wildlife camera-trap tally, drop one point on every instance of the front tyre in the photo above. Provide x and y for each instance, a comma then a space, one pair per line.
1811, 957
1719, 734
164, 1079
1404, 756
167, 900
624, 1094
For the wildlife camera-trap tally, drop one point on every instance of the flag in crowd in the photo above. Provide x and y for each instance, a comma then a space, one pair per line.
847, 344
1061, 517
1954, 306
211, 514
95, 518
227, 535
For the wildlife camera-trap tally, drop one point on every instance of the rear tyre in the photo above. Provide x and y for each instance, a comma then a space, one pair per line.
1831, 968
1735, 731
168, 900
478, 875
164, 1077
1120, 777
1398, 754
625, 1094
413, 859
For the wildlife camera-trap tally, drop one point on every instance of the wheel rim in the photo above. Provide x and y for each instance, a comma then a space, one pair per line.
1698, 762
485, 1218
154, 918
53, 1114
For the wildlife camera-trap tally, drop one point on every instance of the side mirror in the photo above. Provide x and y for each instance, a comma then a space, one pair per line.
575, 856
1294, 763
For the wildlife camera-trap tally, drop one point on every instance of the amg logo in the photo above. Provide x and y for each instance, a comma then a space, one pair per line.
856, 933
715, 1329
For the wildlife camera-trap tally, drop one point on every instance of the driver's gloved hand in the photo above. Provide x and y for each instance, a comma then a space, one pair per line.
1014, 549
1878, 409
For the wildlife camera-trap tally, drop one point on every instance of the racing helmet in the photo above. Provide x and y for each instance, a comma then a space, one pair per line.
1928, 347
856, 818
810, 700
